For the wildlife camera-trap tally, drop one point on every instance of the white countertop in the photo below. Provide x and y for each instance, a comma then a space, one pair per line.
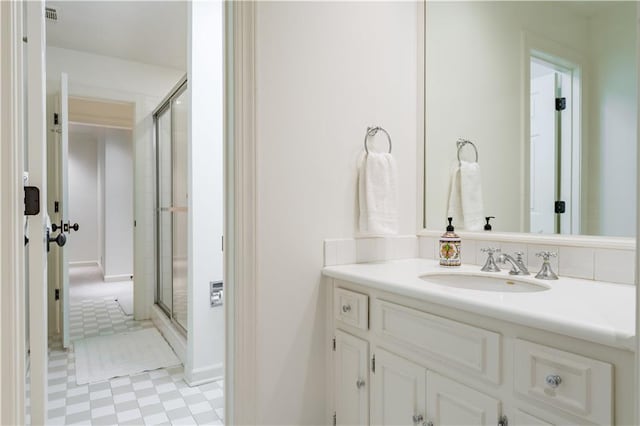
595, 311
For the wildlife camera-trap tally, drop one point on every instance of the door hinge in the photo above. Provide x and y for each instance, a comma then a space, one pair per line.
222, 243
560, 207
335, 419
373, 363
56, 294
334, 344
561, 104
56, 206
56, 119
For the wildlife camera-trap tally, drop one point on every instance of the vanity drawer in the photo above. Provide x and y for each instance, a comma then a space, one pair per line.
573, 383
351, 308
471, 349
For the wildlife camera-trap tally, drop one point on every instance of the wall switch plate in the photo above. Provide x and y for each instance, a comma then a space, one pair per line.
216, 293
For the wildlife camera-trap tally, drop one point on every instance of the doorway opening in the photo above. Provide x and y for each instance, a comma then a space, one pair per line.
101, 258
554, 145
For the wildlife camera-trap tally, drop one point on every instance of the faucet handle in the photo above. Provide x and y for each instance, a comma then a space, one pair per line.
546, 273
490, 264
545, 255
490, 250
519, 255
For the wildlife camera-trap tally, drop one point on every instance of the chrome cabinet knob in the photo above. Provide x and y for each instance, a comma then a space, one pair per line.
360, 383
553, 380
417, 418
346, 308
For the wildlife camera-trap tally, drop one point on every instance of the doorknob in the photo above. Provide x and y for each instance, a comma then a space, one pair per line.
60, 240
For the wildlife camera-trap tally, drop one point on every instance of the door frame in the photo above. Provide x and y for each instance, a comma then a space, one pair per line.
12, 251
240, 218
551, 52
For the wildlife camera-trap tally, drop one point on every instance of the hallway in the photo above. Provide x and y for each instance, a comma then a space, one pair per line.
154, 397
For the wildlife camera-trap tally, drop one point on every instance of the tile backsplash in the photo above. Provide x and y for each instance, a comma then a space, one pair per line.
602, 264
591, 262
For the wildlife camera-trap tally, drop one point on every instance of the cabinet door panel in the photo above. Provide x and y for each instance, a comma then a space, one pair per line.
351, 379
525, 419
399, 390
451, 403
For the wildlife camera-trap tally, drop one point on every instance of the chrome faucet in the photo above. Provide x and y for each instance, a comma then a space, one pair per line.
517, 265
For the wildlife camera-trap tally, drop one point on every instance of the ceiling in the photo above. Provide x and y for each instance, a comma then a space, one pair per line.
152, 32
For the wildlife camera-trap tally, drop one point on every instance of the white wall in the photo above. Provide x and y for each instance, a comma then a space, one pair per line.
474, 90
613, 120
83, 197
116, 79
324, 72
118, 204
205, 351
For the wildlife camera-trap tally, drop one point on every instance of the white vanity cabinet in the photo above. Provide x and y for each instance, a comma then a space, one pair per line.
398, 392
402, 361
451, 403
351, 377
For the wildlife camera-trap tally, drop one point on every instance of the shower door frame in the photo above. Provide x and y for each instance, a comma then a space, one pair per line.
165, 104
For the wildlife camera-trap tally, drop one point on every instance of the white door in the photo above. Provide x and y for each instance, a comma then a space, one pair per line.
351, 362
62, 109
398, 391
450, 403
543, 173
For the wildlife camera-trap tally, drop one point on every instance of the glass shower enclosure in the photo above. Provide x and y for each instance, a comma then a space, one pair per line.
171, 149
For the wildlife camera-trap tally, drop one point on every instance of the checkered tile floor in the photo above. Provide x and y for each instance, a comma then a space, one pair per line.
152, 398
100, 317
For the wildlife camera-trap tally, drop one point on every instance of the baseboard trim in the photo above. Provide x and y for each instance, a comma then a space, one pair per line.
200, 376
85, 263
172, 335
114, 278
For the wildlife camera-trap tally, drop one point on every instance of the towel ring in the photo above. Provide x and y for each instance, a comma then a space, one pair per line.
460, 143
372, 131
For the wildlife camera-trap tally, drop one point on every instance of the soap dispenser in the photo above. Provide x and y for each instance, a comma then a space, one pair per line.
487, 226
450, 247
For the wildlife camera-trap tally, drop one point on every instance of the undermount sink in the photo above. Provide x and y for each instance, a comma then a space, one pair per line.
484, 283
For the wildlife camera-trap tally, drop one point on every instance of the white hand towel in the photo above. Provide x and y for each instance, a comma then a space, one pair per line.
378, 194
455, 199
471, 194
465, 197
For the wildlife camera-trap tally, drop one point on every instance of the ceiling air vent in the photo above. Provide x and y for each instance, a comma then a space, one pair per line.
51, 14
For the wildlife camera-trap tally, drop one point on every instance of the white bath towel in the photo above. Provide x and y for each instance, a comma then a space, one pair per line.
465, 197
378, 194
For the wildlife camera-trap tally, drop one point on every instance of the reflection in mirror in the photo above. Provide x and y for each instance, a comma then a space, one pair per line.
547, 93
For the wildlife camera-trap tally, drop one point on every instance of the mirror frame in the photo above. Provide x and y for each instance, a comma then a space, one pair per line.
587, 241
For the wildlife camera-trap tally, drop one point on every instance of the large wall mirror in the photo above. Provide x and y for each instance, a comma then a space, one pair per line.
547, 93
